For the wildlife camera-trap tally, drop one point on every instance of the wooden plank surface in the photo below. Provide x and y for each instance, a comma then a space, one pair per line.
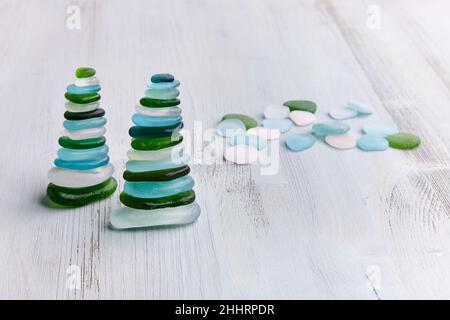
329, 224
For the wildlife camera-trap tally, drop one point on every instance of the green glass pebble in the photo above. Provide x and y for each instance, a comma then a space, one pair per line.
82, 98
175, 200
66, 142
249, 122
84, 72
77, 197
157, 103
403, 140
156, 143
302, 105
158, 175
154, 132
84, 115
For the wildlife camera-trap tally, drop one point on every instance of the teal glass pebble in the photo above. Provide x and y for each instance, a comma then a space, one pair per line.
163, 85
162, 94
359, 107
143, 166
230, 128
151, 121
330, 128
372, 142
250, 140
284, 125
299, 142
74, 125
98, 153
383, 129
81, 165
83, 90
162, 77
158, 189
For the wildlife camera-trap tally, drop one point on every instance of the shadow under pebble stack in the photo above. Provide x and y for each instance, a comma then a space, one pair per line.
82, 172
158, 188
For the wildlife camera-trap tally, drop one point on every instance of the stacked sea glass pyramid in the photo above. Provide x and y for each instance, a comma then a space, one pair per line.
158, 188
82, 172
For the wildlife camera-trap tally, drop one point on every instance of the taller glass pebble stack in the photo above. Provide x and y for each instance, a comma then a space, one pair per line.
157, 189
82, 172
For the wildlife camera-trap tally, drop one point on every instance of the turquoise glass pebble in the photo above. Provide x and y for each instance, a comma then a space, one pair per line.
151, 121
162, 94
359, 107
98, 153
83, 90
299, 142
74, 125
142, 166
230, 128
163, 85
250, 140
372, 142
158, 189
330, 128
284, 125
81, 165
383, 129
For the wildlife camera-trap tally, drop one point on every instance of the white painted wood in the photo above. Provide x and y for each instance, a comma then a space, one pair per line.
317, 229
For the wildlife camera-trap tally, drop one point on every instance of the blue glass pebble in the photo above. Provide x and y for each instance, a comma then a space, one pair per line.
98, 153
83, 90
383, 129
372, 142
142, 166
81, 165
231, 128
330, 128
284, 125
151, 121
163, 85
158, 189
251, 140
359, 107
300, 142
75, 125
162, 77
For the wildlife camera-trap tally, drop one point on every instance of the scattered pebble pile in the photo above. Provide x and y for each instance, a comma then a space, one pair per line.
245, 138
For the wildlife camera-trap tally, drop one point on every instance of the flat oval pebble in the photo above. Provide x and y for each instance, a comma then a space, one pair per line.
83, 90
84, 72
82, 154
248, 121
359, 107
66, 142
149, 121
341, 141
230, 128
179, 199
142, 166
162, 77
241, 154
276, 112
81, 108
85, 133
372, 142
158, 189
403, 141
299, 142
81, 165
265, 133
302, 118
130, 218
82, 98
84, 82
330, 128
84, 115
153, 155
162, 94
79, 179
301, 105
158, 103
251, 140
156, 143
75, 125
158, 112
159, 175
380, 128
163, 85
342, 113
284, 125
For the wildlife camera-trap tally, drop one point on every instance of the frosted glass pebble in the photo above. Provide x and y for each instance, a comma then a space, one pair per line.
142, 166
79, 179
341, 141
129, 218
284, 125
251, 140
276, 112
158, 112
359, 107
330, 127
84, 82
265, 133
241, 154
82, 154
302, 118
342, 113
151, 121
78, 107
84, 134
152, 155
299, 142
83, 90
372, 142
158, 189
163, 85
75, 125
230, 128
383, 129
162, 94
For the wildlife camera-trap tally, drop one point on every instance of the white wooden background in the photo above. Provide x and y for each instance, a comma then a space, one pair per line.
320, 228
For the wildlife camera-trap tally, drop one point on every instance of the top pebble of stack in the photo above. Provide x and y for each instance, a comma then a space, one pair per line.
85, 72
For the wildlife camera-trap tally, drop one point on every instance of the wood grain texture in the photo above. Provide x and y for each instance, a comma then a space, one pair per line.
317, 229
